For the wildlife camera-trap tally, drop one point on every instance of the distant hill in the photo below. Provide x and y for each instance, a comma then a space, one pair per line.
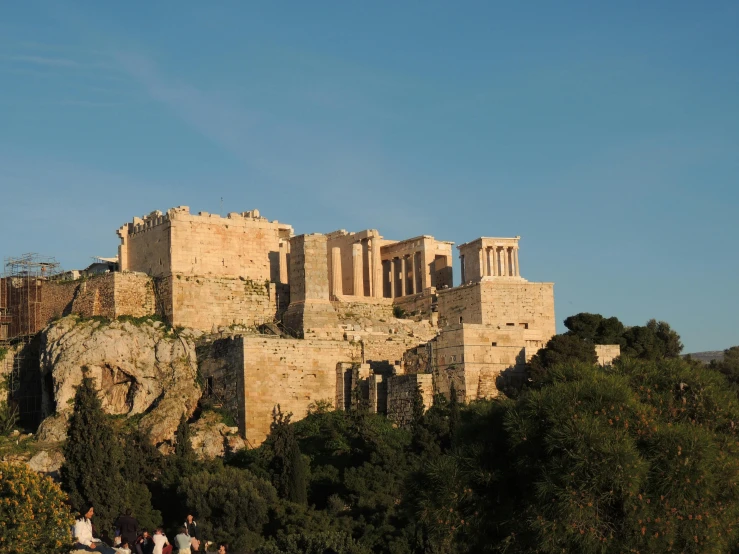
706, 357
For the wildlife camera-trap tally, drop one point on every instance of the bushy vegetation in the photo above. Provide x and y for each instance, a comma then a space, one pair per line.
642, 456
34, 514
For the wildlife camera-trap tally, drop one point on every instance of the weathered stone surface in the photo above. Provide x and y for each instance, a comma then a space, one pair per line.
137, 368
212, 438
54, 427
47, 461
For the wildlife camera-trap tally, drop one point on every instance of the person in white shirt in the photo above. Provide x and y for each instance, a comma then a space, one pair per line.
160, 541
83, 535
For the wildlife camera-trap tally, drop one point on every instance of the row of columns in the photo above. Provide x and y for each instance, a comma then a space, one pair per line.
499, 261
375, 269
398, 276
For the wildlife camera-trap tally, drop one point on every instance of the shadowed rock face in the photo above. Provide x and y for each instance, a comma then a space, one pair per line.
139, 369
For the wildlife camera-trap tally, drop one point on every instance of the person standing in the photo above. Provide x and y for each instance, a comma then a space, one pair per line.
192, 529
128, 526
160, 542
182, 541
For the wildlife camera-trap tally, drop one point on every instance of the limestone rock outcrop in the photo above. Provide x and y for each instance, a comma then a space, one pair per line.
211, 438
140, 367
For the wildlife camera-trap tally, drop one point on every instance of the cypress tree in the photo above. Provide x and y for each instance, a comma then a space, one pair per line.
288, 469
183, 444
454, 414
298, 476
417, 407
92, 469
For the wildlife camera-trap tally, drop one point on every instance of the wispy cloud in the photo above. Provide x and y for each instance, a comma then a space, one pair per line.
339, 170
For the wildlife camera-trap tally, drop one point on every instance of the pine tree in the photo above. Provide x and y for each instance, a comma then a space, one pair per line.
92, 469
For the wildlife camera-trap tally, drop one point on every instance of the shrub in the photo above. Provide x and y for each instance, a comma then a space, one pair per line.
34, 516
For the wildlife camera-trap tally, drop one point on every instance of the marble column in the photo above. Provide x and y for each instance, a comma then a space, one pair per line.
515, 258
357, 277
377, 289
283, 262
394, 270
403, 276
336, 277
503, 262
413, 274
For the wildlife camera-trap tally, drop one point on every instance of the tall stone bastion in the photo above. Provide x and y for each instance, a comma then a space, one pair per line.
239, 314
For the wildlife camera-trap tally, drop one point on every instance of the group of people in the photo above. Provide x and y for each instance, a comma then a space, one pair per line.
130, 540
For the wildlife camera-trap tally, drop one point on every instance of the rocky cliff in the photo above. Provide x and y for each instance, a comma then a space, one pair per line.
140, 367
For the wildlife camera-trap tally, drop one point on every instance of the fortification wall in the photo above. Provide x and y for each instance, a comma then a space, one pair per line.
109, 295
202, 302
420, 303
290, 372
148, 249
221, 365
502, 303
480, 360
353, 307
401, 390
389, 348
607, 353
239, 245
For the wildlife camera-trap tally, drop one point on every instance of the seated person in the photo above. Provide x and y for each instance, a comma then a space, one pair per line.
83, 535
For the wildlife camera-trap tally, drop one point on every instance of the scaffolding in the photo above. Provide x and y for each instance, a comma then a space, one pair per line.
21, 318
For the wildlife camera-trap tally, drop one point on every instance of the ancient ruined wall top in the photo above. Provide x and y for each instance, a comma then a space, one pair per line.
239, 245
392, 249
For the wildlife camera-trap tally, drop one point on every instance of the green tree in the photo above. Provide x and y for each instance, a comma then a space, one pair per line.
728, 365
334, 542
93, 459
288, 468
34, 515
232, 504
455, 413
561, 349
595, 328
639, 457
183, 444
654, 341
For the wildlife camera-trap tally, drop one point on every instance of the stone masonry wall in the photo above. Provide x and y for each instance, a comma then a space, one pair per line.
376, 309
501, 303
418, 303
607, 353
480, 360
290, 372
401, 389
221, 366
239, 245
203, 302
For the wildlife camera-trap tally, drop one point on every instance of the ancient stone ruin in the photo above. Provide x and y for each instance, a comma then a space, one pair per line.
316, 318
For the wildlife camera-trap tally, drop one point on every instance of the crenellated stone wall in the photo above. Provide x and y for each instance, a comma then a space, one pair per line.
178, 242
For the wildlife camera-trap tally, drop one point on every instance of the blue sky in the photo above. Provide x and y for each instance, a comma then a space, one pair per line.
607, 136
